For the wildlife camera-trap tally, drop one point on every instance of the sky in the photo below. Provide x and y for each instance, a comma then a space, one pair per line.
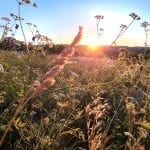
59, 19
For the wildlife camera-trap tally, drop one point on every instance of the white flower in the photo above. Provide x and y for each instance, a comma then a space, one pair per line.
32, 113
1, 68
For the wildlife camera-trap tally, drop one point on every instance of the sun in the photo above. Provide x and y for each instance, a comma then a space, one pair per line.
93, 45
91, 41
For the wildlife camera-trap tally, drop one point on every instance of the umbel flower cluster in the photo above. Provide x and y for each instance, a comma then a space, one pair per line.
27, 2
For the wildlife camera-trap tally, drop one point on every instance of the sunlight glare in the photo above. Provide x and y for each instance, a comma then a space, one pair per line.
93, 44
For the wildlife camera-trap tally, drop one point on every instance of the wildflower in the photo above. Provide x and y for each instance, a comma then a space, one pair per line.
6, 19
34, 5
26, 1
37, 32
99, 17
2, 26
8, 29
16, 26
11, 14
35, 25
146, 26
46, 121
134, 16
32, 113
33, 38
28, 23
19, 18
1, 68
123, 26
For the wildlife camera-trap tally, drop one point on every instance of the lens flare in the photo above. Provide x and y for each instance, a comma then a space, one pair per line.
93, 45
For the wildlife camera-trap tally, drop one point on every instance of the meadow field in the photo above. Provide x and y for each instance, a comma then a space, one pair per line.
95, 103
62, 95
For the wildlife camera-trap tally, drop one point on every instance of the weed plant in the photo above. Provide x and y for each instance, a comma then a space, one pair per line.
90, 107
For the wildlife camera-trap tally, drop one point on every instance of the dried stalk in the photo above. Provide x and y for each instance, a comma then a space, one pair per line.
49, 80
59, 64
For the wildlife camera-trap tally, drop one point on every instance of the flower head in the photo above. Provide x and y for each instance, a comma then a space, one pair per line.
134, 16
145, 24
26, 1
34, 5
6, 19
99, 17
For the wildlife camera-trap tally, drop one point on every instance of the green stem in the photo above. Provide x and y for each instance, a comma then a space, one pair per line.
26, 44
122, 32
114, 42
127, 27
19, 14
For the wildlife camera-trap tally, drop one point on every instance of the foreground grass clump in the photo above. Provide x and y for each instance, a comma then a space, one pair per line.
95, 103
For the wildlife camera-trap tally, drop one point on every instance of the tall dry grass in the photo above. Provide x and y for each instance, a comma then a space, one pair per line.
49, 80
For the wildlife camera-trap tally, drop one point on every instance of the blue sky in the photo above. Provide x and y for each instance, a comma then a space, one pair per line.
59, 19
